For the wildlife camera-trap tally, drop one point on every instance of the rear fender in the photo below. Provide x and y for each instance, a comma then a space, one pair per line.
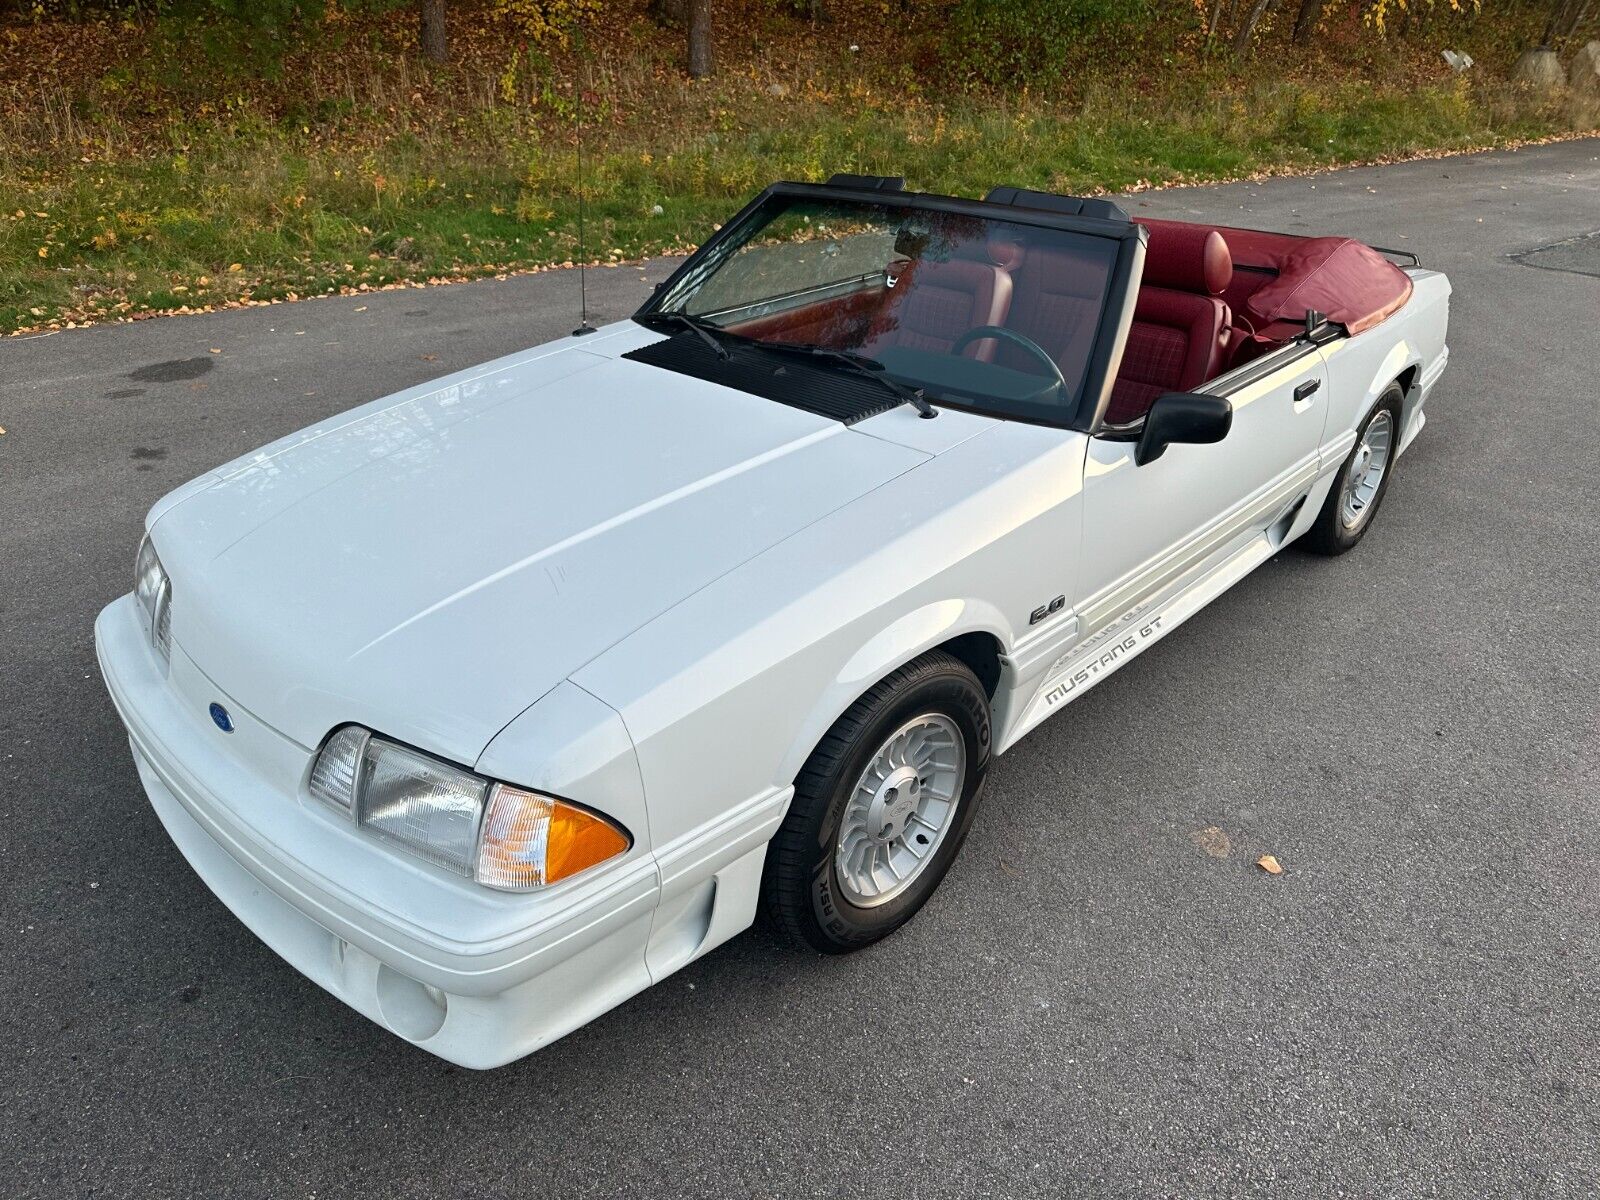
1359, 370
1403, 356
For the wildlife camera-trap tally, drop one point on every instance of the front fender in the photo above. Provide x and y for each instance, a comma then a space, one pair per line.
726, 694
909, 637
569, 744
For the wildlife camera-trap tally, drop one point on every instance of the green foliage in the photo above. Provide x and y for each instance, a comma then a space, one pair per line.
545, 22
1029, 42
265, 214
194, 152
79, 10
1380, 14
259, 14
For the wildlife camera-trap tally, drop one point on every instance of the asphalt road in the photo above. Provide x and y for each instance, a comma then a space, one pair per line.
1091, 1006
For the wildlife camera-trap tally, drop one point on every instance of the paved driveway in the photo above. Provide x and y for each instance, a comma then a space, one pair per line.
1092, 1005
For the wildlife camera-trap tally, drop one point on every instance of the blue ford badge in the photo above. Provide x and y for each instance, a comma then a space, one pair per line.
220, 716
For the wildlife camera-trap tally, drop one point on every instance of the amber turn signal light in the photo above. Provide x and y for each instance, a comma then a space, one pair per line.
532, 840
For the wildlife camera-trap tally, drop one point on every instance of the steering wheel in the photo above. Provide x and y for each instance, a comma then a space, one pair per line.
984, 332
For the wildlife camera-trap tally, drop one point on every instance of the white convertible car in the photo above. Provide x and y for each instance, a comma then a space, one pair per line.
493, 702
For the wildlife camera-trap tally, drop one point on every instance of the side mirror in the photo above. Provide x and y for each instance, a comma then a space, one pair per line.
1182, 417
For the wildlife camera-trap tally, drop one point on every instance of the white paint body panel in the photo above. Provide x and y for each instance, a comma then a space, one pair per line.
650, 595
433, 567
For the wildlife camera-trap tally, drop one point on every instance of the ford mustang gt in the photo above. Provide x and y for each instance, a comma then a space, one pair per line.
488, 704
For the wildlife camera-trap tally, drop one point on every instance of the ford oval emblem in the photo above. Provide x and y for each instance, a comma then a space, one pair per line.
221, 719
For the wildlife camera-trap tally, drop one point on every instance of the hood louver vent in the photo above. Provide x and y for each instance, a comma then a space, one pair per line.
787, 379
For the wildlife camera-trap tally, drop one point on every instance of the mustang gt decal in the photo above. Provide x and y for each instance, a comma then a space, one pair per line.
1107, 658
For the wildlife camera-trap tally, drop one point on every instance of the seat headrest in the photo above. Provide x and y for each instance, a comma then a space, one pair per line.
1187, 258
1004, 252
997, 249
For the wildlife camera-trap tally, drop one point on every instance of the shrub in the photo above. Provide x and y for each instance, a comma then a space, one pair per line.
545, 22
1028, 42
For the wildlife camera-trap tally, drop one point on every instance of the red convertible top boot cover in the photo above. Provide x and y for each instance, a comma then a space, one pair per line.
1352, 284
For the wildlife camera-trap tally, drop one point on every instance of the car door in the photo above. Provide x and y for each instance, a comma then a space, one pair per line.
1151, 531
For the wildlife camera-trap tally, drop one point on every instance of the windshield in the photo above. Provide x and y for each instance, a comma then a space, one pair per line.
990, 314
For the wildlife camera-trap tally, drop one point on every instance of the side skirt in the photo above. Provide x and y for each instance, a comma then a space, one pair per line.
1134, 632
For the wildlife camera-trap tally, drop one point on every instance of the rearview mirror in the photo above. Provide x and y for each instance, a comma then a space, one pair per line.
1182, 417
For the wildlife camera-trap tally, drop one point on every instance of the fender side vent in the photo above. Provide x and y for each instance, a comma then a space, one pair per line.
787, 379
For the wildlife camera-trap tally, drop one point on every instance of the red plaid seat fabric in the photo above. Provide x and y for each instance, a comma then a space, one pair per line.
935, 315
1057, 306
1153, 363
933, 303
1180, 325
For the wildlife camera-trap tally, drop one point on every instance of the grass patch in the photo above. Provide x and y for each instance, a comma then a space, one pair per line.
361, 186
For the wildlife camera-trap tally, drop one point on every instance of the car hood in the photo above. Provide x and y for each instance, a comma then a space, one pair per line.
431, 564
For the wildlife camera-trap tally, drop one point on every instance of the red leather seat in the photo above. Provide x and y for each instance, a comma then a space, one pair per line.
932, 302
1179, 336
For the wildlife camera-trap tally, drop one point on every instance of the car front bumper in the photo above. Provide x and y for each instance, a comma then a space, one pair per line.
544, 964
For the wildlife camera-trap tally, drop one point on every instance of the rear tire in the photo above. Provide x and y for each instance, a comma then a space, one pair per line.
1363, 479
880, 809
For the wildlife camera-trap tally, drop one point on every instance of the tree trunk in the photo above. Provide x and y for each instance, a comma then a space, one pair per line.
1559, 24
1305, 22
700, 59
435, 44
1241, 41
1578, 15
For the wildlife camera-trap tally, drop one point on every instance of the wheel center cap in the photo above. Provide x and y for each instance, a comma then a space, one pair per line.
893, 805
1363, 461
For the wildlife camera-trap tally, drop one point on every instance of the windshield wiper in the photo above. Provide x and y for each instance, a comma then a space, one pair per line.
701, 329
871, 368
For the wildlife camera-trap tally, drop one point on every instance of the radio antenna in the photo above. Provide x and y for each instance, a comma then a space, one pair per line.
583, 254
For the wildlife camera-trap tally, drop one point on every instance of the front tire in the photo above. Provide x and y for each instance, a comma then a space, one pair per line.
880, 809
1362, 481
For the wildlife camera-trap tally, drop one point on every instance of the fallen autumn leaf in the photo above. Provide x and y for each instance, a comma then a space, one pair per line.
1269, 864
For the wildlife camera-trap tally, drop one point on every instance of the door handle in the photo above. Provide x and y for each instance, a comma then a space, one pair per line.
1305, 390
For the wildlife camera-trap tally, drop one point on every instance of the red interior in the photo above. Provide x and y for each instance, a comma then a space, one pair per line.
839, 322
1182, 332
932, 303
1212, 297
1352, 284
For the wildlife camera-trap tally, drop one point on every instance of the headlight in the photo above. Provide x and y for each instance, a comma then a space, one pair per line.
502, 836
153, 590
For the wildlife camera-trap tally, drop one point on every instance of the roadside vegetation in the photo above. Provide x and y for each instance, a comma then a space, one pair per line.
170, 157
